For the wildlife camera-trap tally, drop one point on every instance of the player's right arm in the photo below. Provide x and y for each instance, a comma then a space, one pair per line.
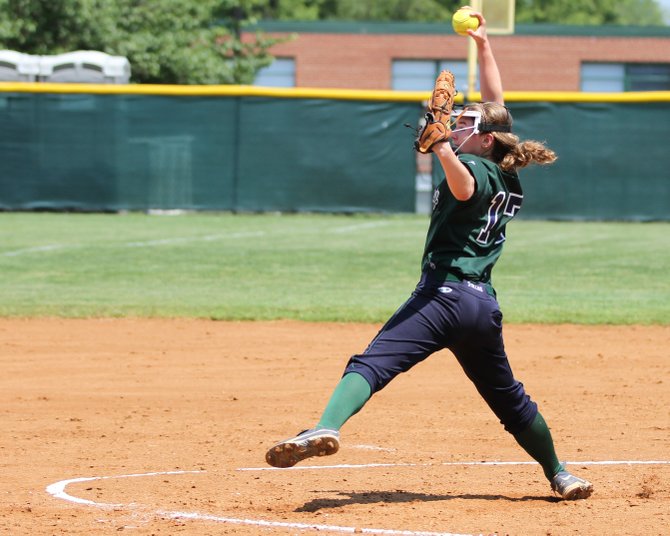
490, 81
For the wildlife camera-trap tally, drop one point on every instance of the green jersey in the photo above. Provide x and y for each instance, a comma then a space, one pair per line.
465, 238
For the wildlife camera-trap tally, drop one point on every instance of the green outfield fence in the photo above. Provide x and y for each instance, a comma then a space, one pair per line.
242, 148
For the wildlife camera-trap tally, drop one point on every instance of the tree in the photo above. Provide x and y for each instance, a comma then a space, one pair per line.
244, 55
295, 9
179, 42
590, 12
394, 10
369, 10
579, 12
52, 26
166, 41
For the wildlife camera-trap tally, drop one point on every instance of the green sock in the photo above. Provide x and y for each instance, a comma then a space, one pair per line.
536, 440
349, 397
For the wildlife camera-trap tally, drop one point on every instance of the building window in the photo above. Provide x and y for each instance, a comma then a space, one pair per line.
602, 77
648, 77
620, 77
280, 73
420, 75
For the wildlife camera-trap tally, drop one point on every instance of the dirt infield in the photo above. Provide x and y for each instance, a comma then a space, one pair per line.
203, 400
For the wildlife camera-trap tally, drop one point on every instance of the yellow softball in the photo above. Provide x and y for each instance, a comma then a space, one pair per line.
462, 21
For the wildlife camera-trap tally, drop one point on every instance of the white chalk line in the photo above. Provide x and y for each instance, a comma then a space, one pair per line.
57, 490
359, 227
36, 249
49, 248
303, 526
441, 464
373, 447
193, 239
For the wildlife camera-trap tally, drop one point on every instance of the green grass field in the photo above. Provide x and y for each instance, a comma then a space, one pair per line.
315, 267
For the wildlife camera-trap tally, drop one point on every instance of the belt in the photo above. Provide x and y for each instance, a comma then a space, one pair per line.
439, 276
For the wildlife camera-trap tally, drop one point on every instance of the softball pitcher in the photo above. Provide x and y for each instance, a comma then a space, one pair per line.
454, 304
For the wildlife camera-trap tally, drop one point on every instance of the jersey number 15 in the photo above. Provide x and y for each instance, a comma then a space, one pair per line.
509, 203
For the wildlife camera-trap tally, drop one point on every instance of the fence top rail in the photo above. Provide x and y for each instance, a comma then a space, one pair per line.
319, 93
442, 28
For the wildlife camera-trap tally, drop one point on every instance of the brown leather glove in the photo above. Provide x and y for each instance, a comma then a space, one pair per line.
438, 117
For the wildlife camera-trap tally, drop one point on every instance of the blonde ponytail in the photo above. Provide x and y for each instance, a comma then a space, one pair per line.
520, 155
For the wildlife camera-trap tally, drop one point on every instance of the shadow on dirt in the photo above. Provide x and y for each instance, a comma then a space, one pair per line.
400, 496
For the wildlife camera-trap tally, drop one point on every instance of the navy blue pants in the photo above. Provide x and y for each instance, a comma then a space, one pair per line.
459, 316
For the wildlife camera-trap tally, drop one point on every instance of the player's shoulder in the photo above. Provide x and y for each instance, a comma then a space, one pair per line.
475, 162
483, 166
481, 169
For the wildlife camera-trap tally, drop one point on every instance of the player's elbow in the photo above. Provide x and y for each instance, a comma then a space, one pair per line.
462, 185
463, 194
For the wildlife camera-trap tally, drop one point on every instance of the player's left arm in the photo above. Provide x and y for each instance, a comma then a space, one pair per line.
459, 179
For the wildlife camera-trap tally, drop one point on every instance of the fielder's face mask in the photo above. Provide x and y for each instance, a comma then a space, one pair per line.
478, 126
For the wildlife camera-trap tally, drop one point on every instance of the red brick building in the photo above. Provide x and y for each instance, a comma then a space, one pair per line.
535, 58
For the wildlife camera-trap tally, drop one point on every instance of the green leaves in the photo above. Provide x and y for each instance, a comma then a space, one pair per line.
200, 41
166, 41
579, 12
590, 12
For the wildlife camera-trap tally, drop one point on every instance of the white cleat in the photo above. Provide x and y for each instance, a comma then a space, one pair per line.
571, 487
314, 442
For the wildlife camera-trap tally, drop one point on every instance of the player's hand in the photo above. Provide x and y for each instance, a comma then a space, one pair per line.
479, 35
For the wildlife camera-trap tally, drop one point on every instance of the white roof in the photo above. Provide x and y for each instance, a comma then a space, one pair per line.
23, 63
110, 65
